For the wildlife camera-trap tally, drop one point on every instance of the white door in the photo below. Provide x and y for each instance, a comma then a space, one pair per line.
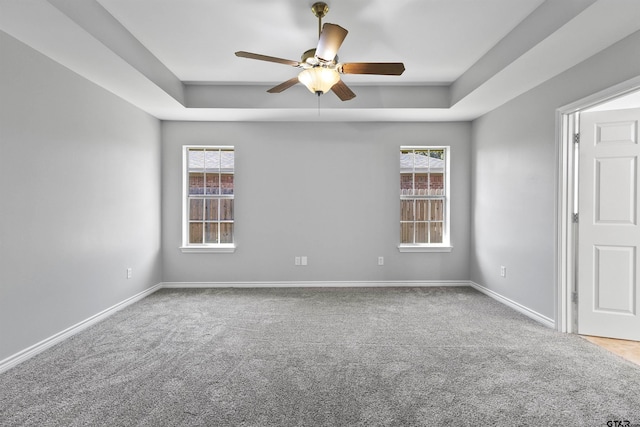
608, 230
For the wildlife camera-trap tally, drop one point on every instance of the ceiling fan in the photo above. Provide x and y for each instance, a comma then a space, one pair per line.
320, 67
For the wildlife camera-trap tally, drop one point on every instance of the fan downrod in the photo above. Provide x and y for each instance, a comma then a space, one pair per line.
320, 9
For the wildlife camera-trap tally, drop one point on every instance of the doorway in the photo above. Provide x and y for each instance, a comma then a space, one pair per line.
578, 298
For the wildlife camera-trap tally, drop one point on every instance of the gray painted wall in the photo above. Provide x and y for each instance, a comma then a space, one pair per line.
329, 191
80, 185
514, 179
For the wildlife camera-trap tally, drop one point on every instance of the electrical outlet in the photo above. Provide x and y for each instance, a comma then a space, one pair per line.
380, 260
129, 273
503, 271
297, 260
303, 260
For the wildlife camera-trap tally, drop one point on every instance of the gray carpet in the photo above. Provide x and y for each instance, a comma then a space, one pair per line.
307, 357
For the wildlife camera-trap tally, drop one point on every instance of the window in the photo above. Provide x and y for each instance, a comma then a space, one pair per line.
208, 224
424, 199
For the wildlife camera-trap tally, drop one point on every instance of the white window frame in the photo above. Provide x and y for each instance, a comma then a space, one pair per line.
445, 246
202, 247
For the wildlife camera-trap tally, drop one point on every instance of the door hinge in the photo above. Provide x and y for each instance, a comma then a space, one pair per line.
575, 218
576, 138
574, 297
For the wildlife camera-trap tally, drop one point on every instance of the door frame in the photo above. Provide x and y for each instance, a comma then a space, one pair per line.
567, 122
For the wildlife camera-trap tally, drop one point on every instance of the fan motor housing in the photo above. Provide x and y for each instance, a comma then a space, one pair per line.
308, 54
311, 53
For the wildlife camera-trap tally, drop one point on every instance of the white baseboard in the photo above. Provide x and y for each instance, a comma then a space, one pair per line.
550, 323
29, 352
317, 284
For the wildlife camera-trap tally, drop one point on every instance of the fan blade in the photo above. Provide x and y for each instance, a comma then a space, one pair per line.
284, 86
331, 39
259, 57
343, 91
381, 68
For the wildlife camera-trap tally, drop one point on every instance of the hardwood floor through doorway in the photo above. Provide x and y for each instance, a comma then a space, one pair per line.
629, 350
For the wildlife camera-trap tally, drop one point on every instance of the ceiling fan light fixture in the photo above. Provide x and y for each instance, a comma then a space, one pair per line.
319, 80
321, 67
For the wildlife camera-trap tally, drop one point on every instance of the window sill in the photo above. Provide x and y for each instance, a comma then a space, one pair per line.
425, 248
219, 249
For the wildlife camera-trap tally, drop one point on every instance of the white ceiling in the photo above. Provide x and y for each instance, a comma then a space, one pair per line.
437, 40
175, 58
